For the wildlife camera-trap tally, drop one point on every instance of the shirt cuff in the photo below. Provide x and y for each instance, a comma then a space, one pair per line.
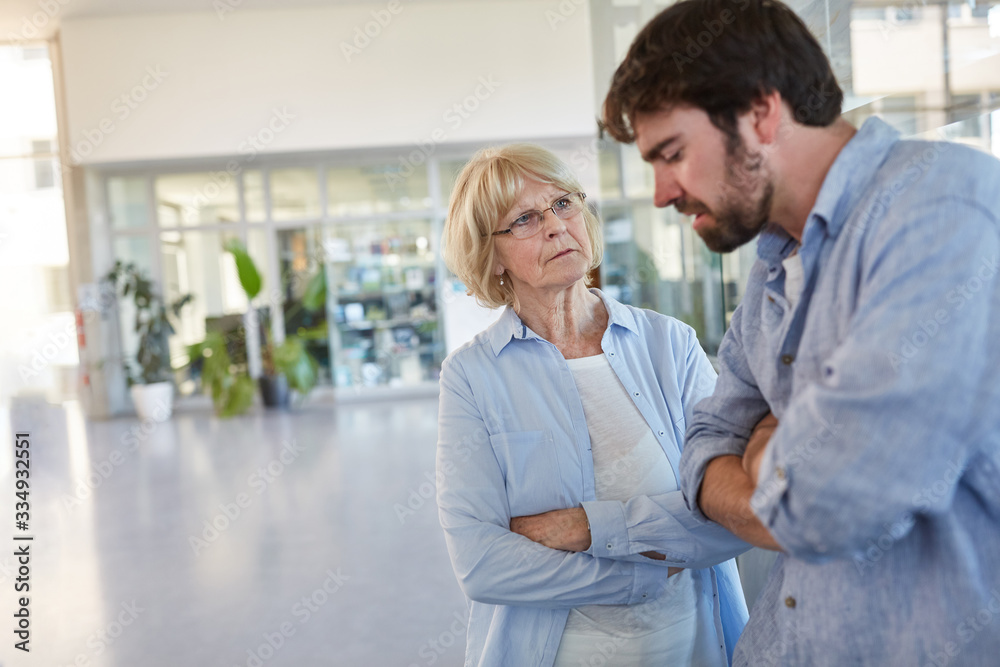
648, 583
696, 457
608, 530
766, 503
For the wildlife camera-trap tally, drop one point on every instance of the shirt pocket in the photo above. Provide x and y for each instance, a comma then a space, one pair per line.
531, 471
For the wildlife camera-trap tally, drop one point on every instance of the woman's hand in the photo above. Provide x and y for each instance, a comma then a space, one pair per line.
757, 444
567, 529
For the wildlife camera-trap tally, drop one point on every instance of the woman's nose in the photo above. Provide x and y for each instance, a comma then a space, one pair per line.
554, 225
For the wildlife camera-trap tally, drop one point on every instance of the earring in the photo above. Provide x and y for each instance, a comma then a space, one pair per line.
501, 279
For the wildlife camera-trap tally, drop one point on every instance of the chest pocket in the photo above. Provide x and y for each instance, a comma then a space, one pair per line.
531, 471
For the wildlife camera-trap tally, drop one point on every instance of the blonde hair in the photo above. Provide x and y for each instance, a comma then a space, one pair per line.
485, 191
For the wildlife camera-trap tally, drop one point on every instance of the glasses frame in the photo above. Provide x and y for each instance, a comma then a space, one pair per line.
541, 216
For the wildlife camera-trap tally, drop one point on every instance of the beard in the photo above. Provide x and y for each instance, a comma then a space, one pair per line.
746, 201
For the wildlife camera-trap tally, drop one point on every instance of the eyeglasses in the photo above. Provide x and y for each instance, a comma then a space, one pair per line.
530, 223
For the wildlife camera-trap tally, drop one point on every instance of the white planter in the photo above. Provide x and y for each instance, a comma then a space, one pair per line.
153, 401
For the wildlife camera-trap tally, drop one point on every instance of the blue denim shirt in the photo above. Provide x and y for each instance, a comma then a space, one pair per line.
513, 441
882, 481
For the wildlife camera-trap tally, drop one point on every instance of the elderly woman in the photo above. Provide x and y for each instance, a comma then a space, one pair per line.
560, 433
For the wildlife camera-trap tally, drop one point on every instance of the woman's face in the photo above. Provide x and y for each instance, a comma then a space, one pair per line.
555, 258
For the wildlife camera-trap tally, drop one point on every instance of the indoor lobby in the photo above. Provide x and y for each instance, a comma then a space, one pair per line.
268, 181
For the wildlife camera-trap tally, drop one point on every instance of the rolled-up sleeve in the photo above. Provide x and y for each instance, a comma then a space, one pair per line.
886, 431
492, 564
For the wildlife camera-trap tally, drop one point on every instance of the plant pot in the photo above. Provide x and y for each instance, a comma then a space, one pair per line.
153, 401
274, 390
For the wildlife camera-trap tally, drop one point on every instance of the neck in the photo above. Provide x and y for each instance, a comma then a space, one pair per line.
809, 154
565, 318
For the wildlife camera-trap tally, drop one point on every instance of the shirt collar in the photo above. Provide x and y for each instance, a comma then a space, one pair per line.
510, 327
845, 182
851, 173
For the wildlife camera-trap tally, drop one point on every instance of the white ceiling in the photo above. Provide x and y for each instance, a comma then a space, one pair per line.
15, 13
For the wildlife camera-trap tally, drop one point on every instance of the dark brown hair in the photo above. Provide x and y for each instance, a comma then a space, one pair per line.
719, 56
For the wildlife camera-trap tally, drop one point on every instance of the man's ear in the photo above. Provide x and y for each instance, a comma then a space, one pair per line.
766, 112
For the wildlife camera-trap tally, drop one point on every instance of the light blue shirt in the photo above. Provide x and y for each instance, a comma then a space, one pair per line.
882, 481
513, 441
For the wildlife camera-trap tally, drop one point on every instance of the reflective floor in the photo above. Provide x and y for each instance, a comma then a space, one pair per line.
302, 538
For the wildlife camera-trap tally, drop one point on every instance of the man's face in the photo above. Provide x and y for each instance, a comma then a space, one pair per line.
725, 184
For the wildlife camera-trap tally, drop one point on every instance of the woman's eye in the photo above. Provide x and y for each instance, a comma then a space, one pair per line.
561, 203
674, 157
522, 221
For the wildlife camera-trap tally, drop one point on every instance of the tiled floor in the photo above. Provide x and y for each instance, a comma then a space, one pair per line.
270, 539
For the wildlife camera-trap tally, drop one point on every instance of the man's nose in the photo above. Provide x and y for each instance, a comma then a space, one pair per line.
666, 188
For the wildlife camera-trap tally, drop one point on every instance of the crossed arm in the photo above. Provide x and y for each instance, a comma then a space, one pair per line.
724, 498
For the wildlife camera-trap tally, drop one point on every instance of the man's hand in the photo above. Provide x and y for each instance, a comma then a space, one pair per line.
724, 497
754, 452
559, 529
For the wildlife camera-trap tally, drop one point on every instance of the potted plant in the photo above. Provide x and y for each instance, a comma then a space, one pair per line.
231, 390
287, 365
149, 375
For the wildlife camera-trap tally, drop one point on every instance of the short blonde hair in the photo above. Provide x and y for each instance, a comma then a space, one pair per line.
485, 191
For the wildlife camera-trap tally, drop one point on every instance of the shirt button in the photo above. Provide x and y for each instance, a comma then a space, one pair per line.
770, 298
790, 602
787, 358
637, 394
611, 354
662, 432
779, 472
643, 595
610, 545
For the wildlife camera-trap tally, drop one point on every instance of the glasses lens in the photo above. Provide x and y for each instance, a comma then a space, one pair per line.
568, 206
526, 225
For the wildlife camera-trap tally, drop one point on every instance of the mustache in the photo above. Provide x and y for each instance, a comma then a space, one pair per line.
685, 207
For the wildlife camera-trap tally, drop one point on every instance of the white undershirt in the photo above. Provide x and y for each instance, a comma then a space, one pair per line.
676, 628
794, 277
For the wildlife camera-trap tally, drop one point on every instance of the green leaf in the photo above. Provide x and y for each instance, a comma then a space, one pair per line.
293, 361
314, 297
246, 269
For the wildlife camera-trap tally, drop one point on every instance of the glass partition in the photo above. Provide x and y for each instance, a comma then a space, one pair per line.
128, 202
357, 191
294, 194
196, 199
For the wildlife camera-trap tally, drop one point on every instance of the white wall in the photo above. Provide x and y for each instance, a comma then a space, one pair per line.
225, 76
